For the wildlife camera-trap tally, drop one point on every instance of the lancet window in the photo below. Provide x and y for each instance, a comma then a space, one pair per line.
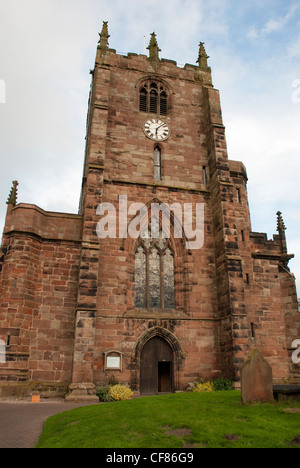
154, 272
157, 163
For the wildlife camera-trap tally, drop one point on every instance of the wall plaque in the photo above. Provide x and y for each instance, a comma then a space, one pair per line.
113, 360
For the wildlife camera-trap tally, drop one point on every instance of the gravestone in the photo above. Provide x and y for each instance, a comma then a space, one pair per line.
256, 379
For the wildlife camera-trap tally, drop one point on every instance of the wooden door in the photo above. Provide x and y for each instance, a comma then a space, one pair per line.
156, 373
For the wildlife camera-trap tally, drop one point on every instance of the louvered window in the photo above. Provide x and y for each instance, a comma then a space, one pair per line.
163, 103
153, 98
153, 101
143, 100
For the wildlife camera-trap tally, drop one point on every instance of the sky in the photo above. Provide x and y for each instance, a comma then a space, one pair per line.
48, 47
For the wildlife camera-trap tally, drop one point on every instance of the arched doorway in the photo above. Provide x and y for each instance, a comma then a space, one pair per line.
157, 367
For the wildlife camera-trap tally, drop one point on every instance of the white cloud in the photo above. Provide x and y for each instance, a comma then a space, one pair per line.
279, 23
294, 48
47, 81
273, 24
50, 47
253, 33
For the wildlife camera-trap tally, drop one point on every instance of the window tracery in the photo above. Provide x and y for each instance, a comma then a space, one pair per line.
154, 272
153, 98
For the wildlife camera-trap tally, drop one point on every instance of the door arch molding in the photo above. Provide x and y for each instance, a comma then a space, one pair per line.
171, 339
163, 333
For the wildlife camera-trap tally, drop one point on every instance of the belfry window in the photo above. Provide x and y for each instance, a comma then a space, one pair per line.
154, 273
163, 103
153, 98
143, 100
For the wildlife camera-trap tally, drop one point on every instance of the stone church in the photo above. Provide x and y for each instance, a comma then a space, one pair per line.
115, 294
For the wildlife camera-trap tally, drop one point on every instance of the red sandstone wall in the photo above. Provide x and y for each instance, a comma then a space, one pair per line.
38, 294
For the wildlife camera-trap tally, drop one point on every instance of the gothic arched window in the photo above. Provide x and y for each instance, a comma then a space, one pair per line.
154, 273
153, 98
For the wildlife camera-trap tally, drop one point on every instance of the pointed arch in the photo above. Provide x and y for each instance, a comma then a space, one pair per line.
171, 340
176, 234
162, 332
155, 95
173, 255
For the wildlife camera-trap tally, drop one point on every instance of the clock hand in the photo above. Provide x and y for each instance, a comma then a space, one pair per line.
161, 125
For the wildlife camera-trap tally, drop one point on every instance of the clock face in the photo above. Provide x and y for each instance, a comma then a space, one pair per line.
156, 129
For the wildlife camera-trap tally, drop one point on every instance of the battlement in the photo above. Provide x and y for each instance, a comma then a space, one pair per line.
109, 57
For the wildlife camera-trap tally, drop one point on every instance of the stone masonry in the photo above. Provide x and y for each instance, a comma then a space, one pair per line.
67, 297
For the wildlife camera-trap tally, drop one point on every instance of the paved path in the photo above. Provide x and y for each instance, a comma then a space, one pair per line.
22, 422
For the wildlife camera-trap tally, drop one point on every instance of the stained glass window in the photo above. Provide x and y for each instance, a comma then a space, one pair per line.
154, 273
140, 278
154, 280
168, 266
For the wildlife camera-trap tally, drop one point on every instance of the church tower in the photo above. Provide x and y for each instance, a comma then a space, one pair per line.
152, 312
159, 278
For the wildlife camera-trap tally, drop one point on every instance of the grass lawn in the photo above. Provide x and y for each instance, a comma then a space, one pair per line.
192, 420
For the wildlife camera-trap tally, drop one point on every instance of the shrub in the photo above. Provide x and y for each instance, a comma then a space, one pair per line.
223, 384
203, 387
120, 392
102, 393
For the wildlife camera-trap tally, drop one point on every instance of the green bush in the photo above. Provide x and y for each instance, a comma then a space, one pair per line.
201, 385
102, 392
223, 384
